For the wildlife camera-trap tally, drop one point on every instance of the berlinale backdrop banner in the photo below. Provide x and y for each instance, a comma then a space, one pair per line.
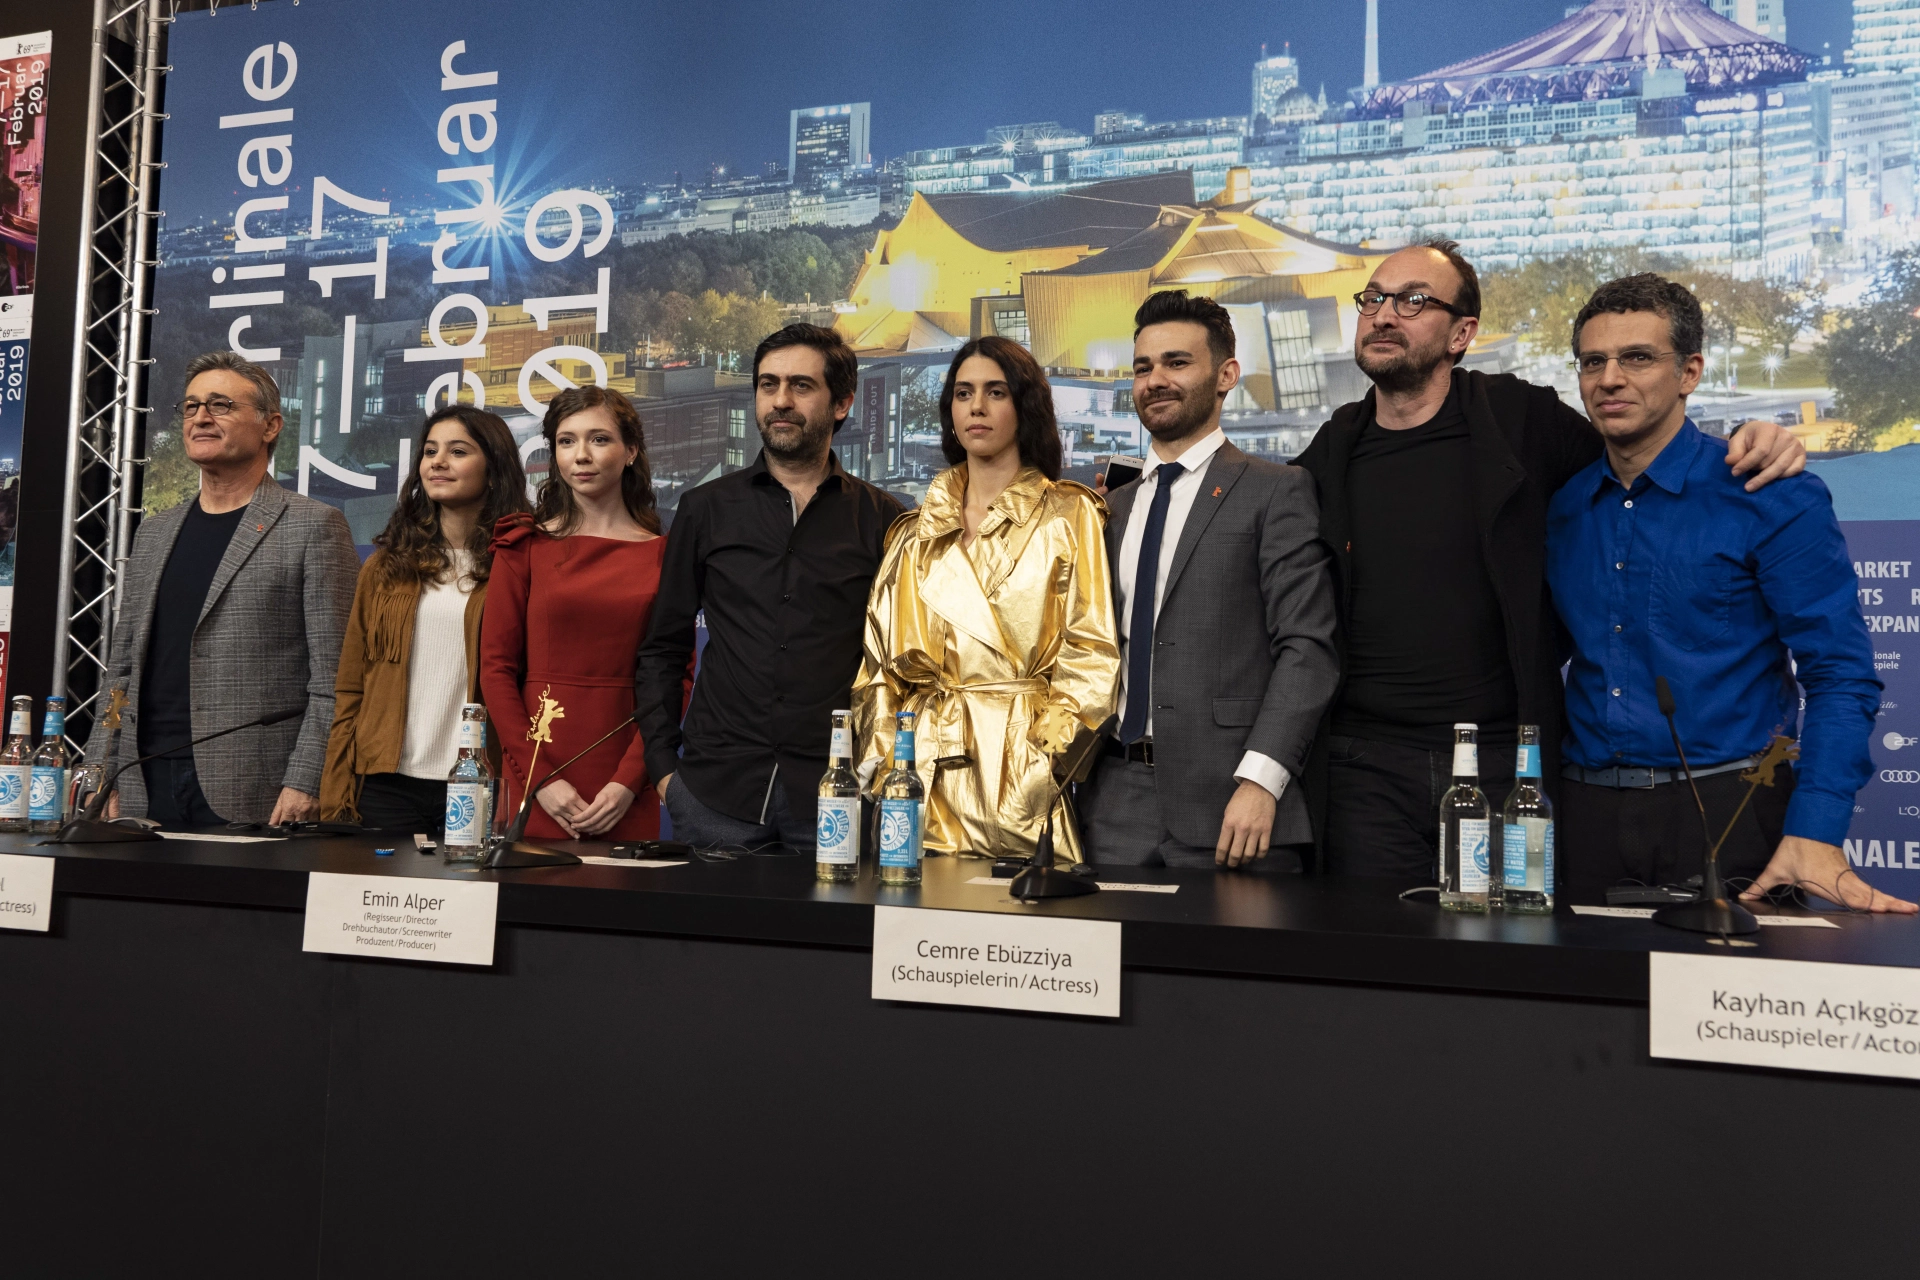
24, 64
392, 204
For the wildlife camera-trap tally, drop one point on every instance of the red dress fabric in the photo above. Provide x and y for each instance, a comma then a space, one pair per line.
565, 616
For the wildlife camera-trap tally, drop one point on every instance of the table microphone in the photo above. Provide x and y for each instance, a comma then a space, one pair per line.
1713, 912
1040, 878
507, 850
88, 827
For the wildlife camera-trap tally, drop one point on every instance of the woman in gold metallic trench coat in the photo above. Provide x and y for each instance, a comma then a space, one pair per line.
991, 617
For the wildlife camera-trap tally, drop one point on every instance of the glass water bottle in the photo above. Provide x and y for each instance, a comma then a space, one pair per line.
836, 856
469, 790
16, 766
902, 810
47, 784
1465, 833
1526, 836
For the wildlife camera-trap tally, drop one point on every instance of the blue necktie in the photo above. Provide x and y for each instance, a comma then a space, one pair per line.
1146, 582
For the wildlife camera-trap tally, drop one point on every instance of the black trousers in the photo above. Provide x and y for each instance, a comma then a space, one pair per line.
1383, 804
174, 798
396, 802
1606, 836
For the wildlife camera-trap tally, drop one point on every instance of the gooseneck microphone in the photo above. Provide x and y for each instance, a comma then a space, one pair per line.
1713, 912
89, 828
505, 853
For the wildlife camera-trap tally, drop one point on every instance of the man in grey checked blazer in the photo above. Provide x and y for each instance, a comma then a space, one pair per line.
1226, 613
235, 607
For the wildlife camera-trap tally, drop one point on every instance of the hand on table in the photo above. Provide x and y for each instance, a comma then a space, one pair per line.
1247, 827
293, 806
1822, 869
1768, 448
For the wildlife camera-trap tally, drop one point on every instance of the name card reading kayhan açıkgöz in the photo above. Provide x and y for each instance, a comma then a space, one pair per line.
1041, 964
402, 917
26, 891
1797, 1014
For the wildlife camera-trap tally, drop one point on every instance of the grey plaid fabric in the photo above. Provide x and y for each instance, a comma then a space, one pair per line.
268, 637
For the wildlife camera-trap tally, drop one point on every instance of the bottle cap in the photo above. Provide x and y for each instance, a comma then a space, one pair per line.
1459, 727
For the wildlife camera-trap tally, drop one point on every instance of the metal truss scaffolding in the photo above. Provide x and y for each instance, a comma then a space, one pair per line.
107, 409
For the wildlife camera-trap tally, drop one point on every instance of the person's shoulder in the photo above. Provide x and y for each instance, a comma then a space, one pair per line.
1787, 496
902, 526
871, 495
1073, 498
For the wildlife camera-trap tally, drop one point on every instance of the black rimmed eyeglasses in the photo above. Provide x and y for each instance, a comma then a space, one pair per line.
1407, 303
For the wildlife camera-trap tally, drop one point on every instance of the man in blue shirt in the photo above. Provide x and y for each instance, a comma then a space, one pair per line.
1662, 564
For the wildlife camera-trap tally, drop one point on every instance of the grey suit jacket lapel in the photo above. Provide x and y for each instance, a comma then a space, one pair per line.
1119, 508
269, 501
1223, 471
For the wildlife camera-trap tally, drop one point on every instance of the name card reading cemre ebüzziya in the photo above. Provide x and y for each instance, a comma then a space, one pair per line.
1801, 1015
26, 891
402, 918
1037, 963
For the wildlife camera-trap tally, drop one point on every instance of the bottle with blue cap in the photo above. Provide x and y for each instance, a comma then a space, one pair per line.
1526, 835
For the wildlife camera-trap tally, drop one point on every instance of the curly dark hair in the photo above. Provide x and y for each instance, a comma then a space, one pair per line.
843, 367
1171, 305
414, 551
555, 509
1039, 434
1686, 326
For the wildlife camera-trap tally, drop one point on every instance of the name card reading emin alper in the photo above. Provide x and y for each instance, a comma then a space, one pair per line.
1037, 963
402, 917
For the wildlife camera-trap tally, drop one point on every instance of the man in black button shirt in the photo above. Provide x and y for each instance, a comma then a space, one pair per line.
1433, 496
780, 557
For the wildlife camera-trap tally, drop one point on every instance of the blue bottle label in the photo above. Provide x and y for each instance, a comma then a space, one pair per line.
1514, 850
1476, 865
903, 747
56, 724
46, 794
13, 790
466, 824
899, 833
838, 840
1526, 764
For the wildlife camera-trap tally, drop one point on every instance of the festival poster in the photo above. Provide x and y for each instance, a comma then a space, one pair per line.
24, 62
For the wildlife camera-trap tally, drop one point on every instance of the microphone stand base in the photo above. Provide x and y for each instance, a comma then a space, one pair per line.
1051, 882
1709, 915
98, 831
510, 856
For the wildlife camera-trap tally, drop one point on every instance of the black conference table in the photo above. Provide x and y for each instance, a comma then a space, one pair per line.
681, 1069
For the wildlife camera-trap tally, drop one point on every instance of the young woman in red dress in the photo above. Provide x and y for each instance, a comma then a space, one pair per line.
573, 588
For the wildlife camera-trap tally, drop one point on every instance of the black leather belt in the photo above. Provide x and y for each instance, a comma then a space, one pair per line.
1141, 751
1642, 778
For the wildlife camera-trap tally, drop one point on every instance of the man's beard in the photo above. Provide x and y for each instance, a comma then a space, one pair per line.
791, 440
1196, 407
1405, 370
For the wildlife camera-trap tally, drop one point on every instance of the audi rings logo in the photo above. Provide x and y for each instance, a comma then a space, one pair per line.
1900, 775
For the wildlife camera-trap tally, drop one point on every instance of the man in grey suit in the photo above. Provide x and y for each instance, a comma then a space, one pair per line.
1226, 617
235, 607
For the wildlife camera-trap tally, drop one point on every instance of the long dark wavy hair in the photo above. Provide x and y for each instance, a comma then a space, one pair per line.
415, 551
556, 509
1039, 434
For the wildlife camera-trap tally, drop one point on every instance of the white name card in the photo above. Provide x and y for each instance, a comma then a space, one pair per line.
26, 891
1797, 1014
402, 918
1037, 963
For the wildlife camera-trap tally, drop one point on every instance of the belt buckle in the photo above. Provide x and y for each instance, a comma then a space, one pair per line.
1648, 785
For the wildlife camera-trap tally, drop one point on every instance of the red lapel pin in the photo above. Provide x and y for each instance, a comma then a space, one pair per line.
1216, 491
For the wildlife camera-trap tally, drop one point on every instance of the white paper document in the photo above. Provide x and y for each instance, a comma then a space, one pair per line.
1797, 1014
1766, 922
594, 860
1045, 964
193, 835
402, 917
26, 891
1106, 886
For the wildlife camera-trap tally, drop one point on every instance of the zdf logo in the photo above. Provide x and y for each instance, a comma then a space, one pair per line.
1894, 741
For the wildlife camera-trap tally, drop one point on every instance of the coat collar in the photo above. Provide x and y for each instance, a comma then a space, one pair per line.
270, 501
943, 510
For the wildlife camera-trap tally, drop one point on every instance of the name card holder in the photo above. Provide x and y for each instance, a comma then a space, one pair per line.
402, 917
1040, 964
26, 891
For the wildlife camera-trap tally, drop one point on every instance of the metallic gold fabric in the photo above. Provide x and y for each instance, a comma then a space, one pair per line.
1004, 648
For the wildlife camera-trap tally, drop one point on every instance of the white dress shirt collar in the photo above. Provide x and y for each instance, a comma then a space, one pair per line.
1194, 459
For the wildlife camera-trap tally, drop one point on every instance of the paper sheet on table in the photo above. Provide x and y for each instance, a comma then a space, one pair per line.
593, 860
1105, 885
190, 835
1646, 913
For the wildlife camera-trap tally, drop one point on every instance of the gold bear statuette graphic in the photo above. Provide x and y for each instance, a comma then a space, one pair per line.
542, 730
1779, 751
115, 705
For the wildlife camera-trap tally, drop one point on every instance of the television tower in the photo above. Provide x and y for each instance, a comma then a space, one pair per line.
1371, 78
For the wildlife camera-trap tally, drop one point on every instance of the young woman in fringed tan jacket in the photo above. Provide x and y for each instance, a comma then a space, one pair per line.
411, 656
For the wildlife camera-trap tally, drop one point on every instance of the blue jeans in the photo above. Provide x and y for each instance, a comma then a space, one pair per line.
696, 824
174, 798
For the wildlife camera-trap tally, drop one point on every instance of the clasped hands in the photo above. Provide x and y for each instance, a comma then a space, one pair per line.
579, 816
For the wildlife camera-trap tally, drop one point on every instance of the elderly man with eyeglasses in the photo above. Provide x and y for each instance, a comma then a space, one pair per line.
1433, 498
1665, 568
235, 605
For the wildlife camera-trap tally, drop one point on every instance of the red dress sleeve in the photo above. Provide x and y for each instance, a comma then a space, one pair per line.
503, 644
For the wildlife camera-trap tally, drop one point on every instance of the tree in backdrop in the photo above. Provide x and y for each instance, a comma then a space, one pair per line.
1873, 352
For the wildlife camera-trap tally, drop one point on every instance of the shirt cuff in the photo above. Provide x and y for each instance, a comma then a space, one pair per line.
1265, 771
1816, 815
